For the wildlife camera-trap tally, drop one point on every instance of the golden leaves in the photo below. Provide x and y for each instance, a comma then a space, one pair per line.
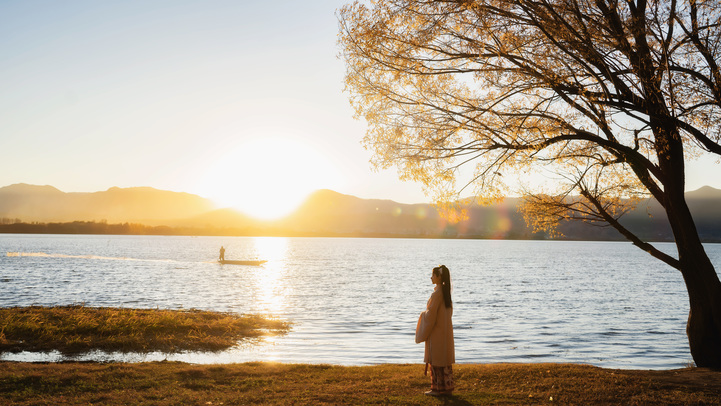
510, 86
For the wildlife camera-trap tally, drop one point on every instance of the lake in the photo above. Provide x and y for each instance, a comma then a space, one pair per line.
356, 301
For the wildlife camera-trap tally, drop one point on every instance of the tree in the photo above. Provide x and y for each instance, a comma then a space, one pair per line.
611, 96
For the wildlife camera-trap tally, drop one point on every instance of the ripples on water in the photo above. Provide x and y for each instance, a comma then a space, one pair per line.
356, 301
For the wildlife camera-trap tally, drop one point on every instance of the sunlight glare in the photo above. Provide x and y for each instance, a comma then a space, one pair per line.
272, 290
267, 177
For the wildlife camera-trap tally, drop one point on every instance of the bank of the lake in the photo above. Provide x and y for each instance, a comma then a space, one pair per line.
71, 329
173, 383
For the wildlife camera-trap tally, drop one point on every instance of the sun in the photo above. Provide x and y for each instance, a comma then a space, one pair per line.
267, 177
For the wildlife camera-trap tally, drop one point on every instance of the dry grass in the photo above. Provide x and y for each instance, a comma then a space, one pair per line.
76, 329
172, 383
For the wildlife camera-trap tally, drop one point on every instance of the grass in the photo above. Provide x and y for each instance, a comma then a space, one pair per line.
173, 383
77, 329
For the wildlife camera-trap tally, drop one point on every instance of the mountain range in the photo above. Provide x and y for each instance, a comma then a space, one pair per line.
32, 203
328, 213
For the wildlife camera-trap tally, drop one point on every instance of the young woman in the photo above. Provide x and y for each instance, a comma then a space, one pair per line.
436, 329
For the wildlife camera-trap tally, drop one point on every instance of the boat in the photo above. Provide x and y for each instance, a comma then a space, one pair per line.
251, 263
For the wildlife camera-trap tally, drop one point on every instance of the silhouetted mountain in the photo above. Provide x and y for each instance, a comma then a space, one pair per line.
650, 221
328, 213
331, 213
137, 204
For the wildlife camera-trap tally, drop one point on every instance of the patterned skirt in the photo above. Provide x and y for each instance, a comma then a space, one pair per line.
442, 379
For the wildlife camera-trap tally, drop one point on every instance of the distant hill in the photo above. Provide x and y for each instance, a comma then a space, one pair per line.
138, 204
705, 205
329, 213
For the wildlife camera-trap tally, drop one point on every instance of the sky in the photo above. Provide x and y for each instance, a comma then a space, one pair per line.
238, 101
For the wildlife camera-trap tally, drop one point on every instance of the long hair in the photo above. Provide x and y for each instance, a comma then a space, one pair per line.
445, 275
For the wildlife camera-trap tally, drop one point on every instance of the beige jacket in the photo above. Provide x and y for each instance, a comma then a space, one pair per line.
436, 329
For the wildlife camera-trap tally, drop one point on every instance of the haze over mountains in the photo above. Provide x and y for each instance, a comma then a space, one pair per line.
32, 203
328, 213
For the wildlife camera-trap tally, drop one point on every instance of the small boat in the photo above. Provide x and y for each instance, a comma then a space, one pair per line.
251, 263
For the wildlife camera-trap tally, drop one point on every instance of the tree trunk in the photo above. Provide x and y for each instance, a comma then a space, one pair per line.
702, 283
704, 320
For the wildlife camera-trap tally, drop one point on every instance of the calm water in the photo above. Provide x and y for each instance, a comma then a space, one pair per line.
356, 301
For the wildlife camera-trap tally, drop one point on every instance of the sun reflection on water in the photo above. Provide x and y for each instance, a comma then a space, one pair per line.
270, 287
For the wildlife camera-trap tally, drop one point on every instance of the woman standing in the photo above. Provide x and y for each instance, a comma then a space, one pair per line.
436, 329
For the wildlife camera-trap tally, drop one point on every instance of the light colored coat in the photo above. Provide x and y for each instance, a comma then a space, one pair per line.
436, 329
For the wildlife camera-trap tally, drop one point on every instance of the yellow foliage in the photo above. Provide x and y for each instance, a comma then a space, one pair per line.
512, 87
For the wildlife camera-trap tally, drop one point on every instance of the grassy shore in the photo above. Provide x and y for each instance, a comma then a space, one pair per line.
76, 329
172, 383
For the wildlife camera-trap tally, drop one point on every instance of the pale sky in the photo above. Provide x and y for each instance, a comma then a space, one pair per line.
236, 101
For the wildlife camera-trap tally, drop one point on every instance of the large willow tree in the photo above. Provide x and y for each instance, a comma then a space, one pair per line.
612, 96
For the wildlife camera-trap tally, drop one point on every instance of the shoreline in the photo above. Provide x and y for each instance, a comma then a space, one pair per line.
279, 383
92, 228
207, 358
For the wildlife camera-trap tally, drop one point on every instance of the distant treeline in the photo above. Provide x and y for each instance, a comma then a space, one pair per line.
571, 231
102, 227
83, 227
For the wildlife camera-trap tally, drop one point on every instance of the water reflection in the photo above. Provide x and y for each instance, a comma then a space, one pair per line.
269, 283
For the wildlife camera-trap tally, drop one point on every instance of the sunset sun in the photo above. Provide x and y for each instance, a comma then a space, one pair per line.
267, 177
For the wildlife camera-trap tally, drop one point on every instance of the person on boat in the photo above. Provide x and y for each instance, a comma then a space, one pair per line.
436, 330
222, 254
